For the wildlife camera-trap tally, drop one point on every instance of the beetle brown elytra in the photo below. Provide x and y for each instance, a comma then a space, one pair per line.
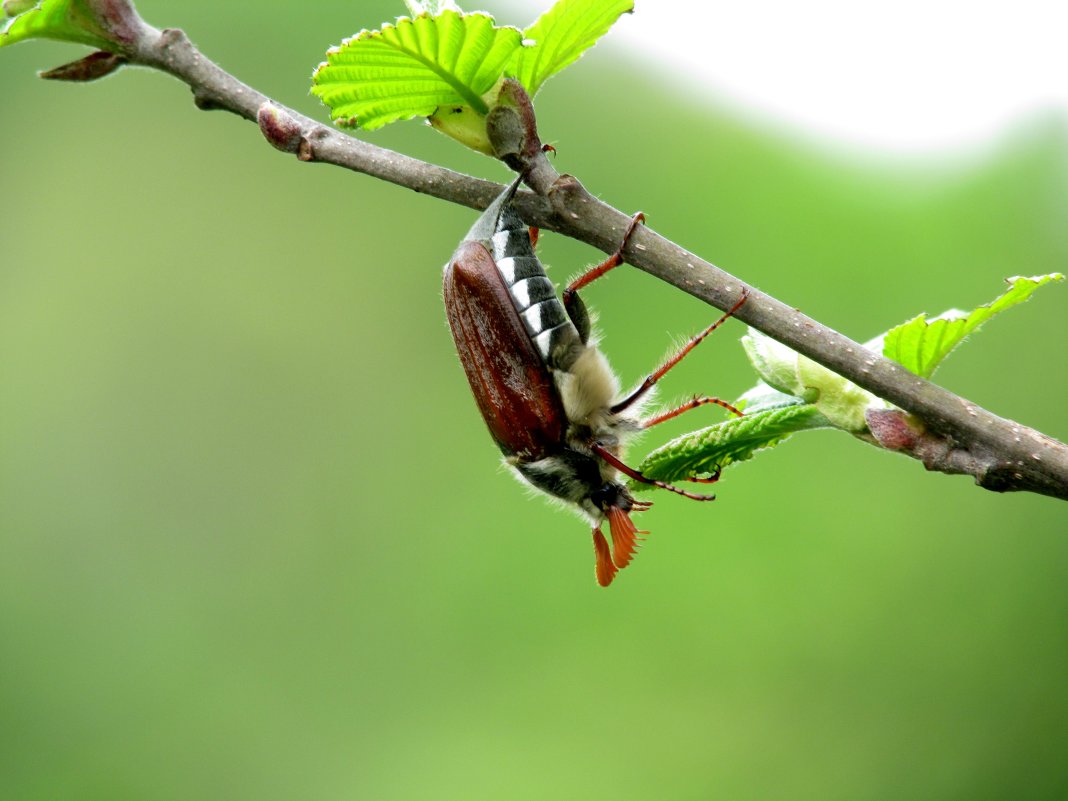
547, 394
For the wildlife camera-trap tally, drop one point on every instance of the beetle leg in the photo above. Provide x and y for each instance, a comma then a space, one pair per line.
603, 452
657, 374
576, 309
712, 479
612, 261
693, 404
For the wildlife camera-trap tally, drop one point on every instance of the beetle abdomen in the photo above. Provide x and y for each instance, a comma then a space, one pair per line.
532, 293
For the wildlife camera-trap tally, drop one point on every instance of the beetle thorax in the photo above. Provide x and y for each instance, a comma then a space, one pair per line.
588, 387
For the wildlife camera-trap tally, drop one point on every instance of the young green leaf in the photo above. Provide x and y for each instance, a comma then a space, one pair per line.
412, 68
839, 400
65, 20
712, 449
921, 344
448, 66
763, 397
561, 35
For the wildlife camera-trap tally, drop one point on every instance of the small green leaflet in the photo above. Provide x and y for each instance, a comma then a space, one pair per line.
921, 344
711, 449
447, 65
66, 20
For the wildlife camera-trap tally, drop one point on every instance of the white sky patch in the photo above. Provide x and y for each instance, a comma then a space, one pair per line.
912, 75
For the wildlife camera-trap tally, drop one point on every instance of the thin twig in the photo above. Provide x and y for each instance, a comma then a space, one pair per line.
957, 435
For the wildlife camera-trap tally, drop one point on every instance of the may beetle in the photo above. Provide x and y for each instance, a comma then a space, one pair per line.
552, 403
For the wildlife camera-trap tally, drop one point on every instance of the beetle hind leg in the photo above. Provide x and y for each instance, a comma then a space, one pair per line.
576, 309
659, 373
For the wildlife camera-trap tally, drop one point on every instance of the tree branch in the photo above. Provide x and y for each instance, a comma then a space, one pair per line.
955, 435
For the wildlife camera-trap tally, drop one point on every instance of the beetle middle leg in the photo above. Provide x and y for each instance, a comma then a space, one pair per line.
691, 404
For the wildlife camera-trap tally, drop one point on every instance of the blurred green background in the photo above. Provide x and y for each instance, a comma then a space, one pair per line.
255, 542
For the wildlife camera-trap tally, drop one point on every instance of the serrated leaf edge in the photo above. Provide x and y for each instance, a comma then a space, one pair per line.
694, 460
463, 92
892, 339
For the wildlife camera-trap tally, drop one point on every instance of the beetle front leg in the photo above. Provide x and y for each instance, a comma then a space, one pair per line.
576, 309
